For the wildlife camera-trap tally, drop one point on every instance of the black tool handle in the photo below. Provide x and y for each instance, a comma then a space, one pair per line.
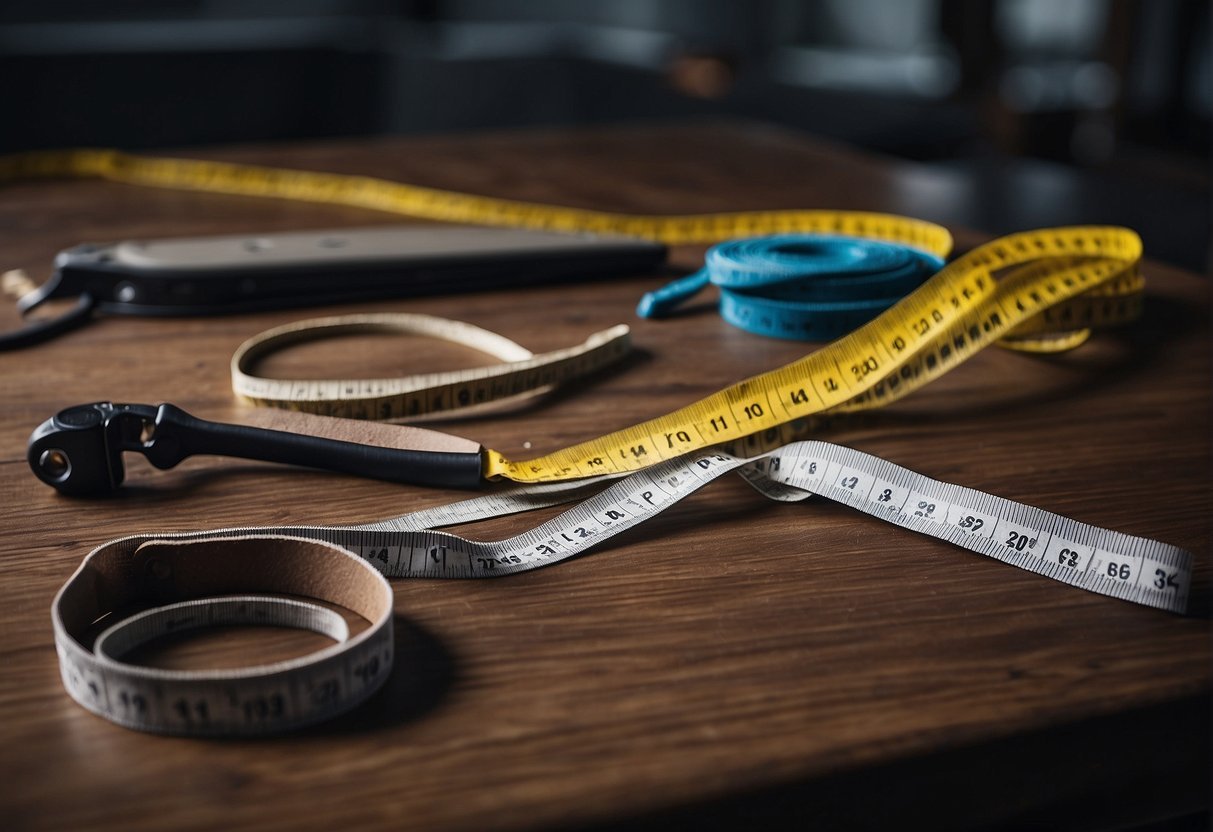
79, 450
190, 436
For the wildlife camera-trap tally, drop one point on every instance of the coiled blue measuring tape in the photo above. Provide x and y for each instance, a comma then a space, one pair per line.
810, 287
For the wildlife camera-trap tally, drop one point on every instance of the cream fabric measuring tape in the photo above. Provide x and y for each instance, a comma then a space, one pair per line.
334, 564
521, 373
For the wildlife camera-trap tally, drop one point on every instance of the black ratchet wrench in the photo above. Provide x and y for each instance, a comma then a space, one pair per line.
79, 450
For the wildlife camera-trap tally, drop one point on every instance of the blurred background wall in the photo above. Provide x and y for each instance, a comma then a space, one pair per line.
1006, 114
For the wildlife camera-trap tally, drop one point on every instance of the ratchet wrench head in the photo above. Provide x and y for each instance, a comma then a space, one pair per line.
78, 451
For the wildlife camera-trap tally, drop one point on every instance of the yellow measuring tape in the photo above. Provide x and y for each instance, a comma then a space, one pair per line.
449, 206
952, 316
1040, 291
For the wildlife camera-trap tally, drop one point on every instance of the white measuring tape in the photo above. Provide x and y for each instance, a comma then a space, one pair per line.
318, 562
521, 373
180, 575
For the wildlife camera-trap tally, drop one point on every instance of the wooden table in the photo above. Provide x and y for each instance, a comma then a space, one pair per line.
733, 662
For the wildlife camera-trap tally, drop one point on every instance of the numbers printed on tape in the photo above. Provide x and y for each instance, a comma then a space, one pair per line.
954, 315
1036, 291
521, 373
1134, 569
242, 701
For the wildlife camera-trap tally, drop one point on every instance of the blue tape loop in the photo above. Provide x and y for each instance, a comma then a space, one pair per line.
811, 287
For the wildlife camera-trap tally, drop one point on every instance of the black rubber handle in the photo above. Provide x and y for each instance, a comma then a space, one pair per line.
190, 436
79, 450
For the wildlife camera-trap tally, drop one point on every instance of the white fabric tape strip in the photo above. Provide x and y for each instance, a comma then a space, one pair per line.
1100, 560
181, 576
1107, 562
173, 619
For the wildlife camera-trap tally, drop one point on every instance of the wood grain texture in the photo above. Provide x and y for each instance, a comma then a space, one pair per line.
734, 661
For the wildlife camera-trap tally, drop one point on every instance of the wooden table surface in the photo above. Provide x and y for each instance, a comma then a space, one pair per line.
733, 662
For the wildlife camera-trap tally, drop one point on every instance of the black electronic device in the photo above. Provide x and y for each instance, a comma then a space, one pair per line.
243, 272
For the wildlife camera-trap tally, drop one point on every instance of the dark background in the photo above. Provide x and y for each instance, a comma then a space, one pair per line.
1009, 114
